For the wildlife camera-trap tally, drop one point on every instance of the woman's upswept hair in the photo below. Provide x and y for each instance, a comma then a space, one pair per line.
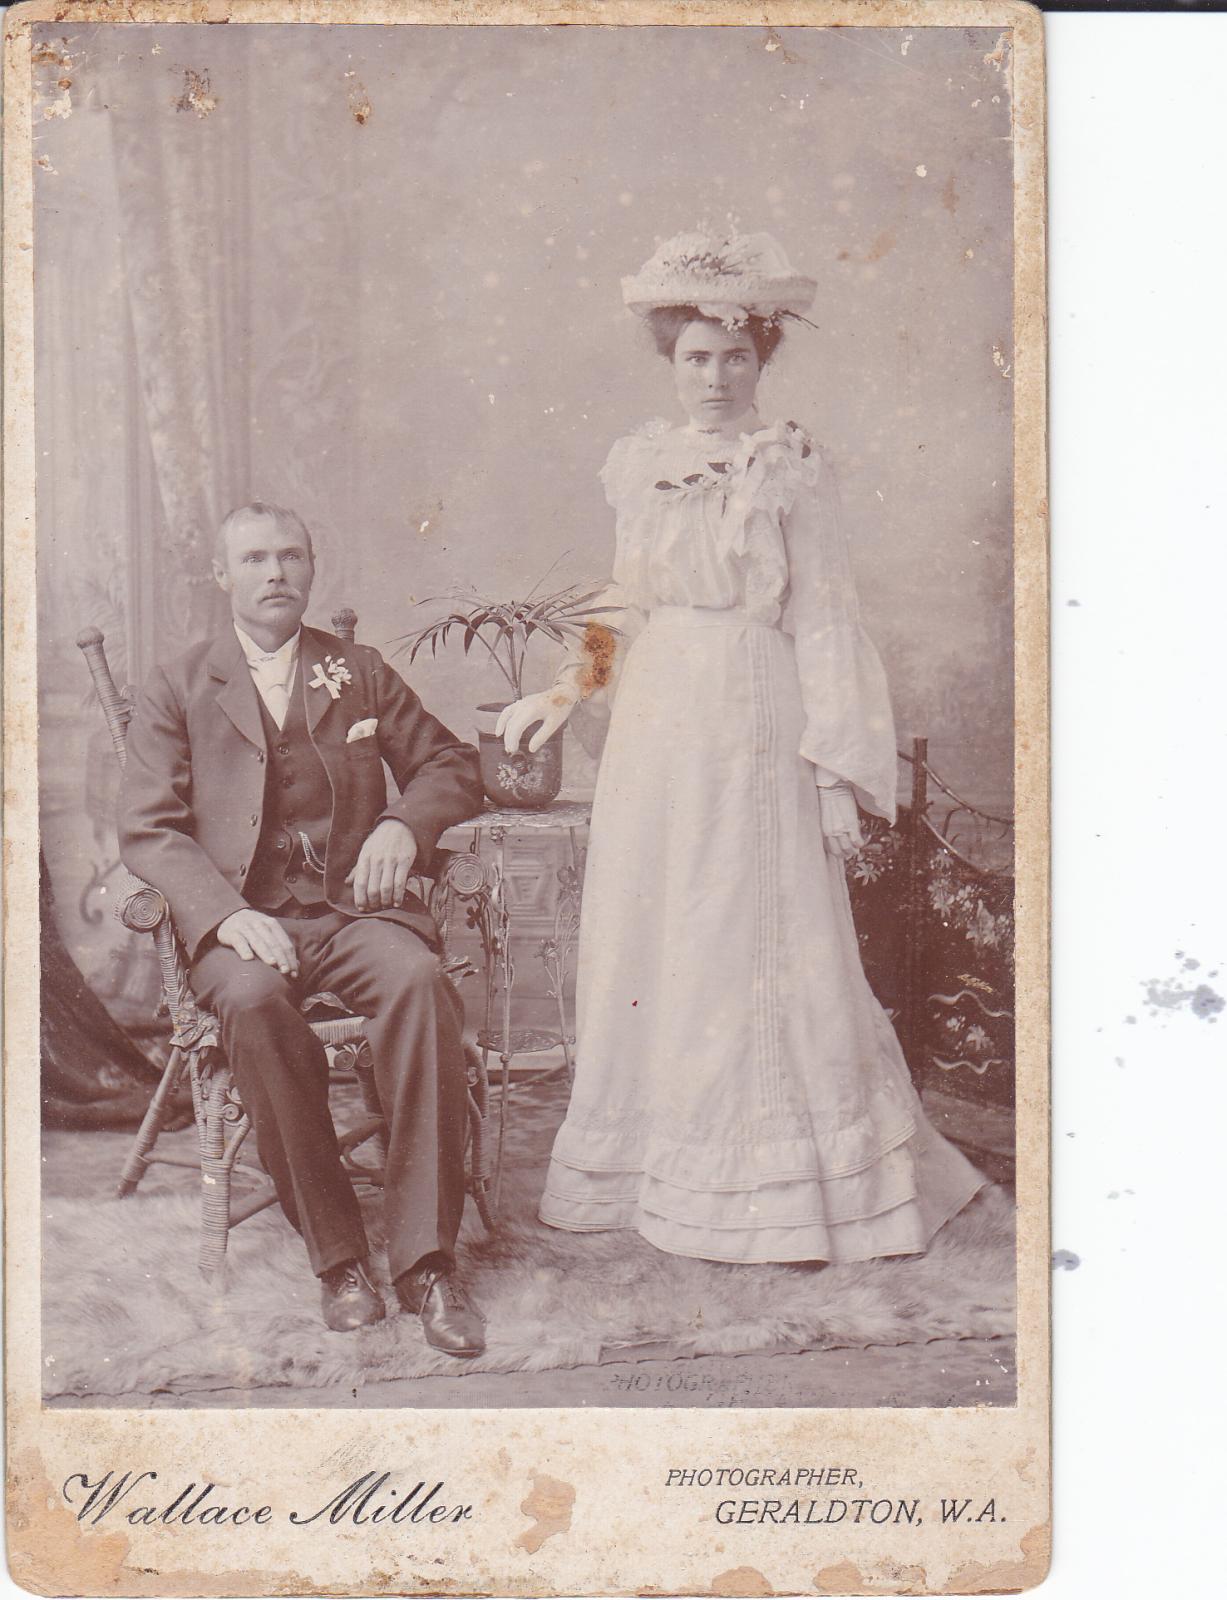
665, 324
287, 521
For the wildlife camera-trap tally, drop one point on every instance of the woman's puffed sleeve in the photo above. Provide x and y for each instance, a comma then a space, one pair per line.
591, 667
849, 728
613, 473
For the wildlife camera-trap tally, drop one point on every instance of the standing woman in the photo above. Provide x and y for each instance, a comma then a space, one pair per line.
739, 1093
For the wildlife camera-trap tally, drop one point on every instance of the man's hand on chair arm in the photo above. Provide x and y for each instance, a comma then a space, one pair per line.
380, 875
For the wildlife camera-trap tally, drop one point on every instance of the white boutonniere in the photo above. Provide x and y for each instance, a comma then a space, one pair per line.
330, 675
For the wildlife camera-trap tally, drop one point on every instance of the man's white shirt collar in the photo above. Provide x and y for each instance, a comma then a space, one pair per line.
259, 657
272, 672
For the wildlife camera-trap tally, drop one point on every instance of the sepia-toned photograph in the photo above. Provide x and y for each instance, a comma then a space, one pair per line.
525, 538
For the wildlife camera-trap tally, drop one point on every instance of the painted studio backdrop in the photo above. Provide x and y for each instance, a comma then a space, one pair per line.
373, 274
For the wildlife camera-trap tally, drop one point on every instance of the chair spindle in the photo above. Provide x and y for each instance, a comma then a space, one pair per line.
115, 706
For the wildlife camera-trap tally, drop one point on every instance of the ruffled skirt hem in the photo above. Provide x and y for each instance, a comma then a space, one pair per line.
922, 1184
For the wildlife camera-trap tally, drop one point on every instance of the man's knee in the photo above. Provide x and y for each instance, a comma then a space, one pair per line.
421, 965
234, 988
402, 963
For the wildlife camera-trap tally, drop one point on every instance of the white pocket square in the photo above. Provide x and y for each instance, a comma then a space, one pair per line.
362, 730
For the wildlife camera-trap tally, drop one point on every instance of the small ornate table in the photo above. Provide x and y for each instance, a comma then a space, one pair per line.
479, 884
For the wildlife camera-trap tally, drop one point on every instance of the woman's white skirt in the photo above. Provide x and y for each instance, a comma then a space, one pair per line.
739, 1093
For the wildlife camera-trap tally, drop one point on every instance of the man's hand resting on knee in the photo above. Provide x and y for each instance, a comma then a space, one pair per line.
253, 936
381, 873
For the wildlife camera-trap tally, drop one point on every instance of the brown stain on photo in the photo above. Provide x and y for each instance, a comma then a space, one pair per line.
950, 195
51, 1553
549, 1503
197, 95
741, 1581
48, 1551
999, 55
360, 107
774, 43
1008, 1577
881, 246
48, 55
599, 646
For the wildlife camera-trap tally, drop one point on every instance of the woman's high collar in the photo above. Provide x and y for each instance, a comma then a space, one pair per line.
731, 434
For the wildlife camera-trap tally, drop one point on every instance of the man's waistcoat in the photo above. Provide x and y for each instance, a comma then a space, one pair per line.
197, 781
288, 862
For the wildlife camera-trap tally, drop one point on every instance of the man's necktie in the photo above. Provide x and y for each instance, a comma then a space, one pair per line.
275, 694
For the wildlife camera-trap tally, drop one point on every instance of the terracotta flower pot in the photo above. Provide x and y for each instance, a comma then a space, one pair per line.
522, 780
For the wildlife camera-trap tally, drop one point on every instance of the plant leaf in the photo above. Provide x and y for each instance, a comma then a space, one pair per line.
552, 631
547, 572
579, 600
593, 611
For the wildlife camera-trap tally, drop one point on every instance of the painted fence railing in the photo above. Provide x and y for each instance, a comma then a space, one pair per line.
933, 899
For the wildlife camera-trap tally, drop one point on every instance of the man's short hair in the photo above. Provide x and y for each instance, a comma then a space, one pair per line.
287, 521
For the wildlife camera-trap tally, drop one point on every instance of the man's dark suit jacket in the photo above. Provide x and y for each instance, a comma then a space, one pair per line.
192, 800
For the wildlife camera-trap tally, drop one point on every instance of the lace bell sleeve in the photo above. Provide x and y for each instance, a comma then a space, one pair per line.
849, 728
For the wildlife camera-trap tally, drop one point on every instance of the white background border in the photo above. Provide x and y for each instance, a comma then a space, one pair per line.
1138, 256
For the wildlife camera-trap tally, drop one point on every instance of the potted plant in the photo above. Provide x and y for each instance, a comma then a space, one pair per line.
505, 628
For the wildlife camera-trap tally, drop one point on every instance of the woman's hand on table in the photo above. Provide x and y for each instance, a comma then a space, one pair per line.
550, 708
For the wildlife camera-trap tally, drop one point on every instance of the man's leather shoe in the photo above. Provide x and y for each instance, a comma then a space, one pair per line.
449, 1321
349, 1299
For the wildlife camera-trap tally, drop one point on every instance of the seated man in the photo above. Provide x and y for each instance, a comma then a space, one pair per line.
254, 798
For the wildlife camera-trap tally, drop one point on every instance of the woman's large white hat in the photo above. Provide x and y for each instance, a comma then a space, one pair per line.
729, 277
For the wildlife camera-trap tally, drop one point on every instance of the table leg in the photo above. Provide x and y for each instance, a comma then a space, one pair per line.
505, 969
476, 885
494, 920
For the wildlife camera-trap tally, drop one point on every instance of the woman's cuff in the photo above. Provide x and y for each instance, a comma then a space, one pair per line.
568, 680
826, 779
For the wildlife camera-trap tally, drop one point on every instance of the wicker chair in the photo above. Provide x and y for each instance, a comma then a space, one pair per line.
222, 1125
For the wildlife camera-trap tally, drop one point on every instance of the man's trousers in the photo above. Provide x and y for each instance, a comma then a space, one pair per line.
387, 974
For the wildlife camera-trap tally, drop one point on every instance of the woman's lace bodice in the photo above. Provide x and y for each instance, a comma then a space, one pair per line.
754, 523
700, 517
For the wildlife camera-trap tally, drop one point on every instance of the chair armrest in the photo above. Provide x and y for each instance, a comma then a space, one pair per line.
141, 908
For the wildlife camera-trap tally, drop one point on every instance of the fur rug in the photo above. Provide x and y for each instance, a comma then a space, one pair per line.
125, 1311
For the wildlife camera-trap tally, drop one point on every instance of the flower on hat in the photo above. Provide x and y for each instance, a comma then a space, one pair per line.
728, 277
